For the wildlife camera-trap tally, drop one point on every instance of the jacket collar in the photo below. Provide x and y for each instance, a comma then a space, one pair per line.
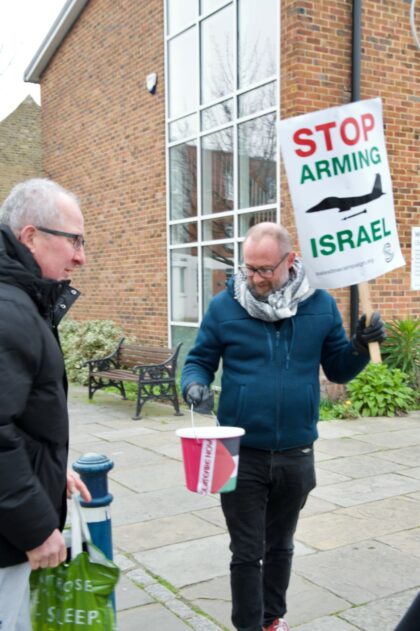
19, 268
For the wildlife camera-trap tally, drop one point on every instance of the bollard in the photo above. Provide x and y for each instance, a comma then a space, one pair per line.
93, 469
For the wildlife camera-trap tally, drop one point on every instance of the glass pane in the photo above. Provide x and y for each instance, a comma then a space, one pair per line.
217, 268
182, 72
183, 180
221, 228
209, 5
184, 285
186, 335
183, 128
183, 233
256, 100
217, 55
247, 220
180, 14
257, 50
257, 161
217, 115
217, 171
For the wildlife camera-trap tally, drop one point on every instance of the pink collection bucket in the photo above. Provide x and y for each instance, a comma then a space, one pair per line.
211, 458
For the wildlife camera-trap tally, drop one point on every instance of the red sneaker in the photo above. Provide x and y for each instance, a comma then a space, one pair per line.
277, 625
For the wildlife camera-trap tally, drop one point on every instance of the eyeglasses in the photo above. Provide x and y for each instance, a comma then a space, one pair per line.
76, 239
264, 272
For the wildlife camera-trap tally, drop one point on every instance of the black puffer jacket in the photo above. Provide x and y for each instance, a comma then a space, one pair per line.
33, 405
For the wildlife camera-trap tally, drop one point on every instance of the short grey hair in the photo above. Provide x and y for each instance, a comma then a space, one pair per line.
33, 202
271, 229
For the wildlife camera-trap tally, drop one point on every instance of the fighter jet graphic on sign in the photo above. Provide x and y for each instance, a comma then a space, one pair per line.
346, 203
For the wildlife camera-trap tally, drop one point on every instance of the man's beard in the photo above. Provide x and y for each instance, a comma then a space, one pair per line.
263, 297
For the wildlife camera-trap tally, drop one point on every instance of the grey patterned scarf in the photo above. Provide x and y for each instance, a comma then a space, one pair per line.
280, 304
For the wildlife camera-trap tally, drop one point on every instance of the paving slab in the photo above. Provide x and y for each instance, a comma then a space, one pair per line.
190, 562
372, 425
325, 477
316, 505
361, 572
407, 541
336, 429
154, 439
119, 490
164, 474
383, 614
413, 472
83, 434
156, 504
120, 434
128, 595
394, 439
335, 447
349, 525
400, 513
123, 454
214, 515
408, 456
306, 601
368, 489
332, 623
332, 530
150, 617
161, 532
362, 466
212, 597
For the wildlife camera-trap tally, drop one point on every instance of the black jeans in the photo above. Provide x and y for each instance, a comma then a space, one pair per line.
261, 516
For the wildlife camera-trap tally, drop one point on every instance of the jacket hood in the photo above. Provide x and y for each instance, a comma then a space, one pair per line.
19, 268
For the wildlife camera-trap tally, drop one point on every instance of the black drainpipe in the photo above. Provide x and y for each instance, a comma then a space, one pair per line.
355, 96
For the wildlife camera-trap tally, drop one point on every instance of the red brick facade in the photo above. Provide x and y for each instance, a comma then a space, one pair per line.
104, 137
20, 146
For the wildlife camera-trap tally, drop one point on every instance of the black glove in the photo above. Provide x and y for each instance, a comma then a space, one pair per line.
375, 332
200, 397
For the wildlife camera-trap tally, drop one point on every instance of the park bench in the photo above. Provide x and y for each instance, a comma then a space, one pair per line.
152, 368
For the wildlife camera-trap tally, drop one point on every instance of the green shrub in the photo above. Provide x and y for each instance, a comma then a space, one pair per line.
330, 410
81, 341
401, 349
381, 391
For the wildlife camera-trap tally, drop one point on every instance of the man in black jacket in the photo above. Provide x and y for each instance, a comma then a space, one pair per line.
41, 244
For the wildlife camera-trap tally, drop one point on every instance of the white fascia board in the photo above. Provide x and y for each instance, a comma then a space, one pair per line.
53, 40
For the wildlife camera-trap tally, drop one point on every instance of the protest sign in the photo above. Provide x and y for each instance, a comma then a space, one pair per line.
339, 180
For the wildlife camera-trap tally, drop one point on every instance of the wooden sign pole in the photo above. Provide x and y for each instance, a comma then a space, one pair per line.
374, 348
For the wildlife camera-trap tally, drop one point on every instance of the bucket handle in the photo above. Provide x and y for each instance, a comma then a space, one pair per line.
192, 420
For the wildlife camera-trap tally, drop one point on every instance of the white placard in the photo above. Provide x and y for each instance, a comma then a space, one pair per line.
339, 180
415, 258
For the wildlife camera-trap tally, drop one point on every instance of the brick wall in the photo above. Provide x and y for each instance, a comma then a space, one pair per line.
20, 146
103, 136
316, 73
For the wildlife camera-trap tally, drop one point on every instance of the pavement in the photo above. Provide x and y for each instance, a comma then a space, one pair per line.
357, 547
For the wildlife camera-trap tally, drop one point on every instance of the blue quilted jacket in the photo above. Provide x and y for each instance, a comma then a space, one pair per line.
270, 380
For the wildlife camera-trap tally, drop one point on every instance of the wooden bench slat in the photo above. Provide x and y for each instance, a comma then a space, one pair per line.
118, 375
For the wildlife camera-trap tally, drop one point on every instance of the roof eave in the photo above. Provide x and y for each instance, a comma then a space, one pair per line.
53, 40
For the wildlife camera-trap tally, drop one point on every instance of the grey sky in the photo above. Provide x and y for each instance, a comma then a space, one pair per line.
23, 26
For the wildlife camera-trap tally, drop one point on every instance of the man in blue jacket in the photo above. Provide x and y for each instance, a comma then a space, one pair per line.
273, 332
